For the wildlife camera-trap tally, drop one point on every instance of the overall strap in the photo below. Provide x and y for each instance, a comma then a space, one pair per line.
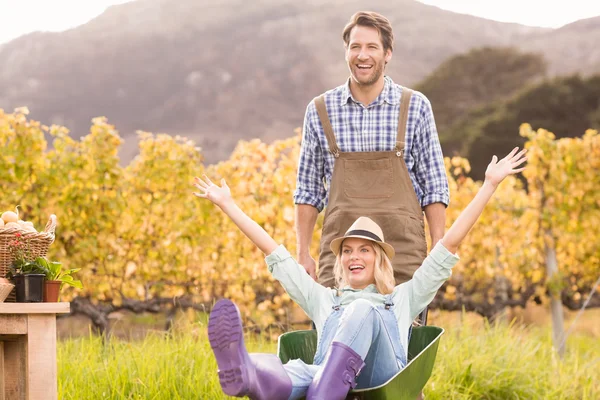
388, 301
337, 299
402, 120
324, 117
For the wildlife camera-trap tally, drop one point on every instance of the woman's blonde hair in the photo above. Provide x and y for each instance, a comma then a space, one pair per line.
384, 273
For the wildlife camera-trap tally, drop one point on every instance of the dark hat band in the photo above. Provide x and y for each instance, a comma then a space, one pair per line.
360, 232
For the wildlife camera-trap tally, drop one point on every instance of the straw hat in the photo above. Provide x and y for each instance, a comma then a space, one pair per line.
363, 228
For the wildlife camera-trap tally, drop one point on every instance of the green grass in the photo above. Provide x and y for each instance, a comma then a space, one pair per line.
499, 362
160, 367
513, 363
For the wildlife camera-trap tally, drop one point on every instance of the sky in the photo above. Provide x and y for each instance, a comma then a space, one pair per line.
544, 13
18, 17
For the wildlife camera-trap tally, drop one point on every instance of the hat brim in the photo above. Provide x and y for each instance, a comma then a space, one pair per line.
336, 245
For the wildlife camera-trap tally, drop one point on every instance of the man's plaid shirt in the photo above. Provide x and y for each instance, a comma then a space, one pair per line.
374, 128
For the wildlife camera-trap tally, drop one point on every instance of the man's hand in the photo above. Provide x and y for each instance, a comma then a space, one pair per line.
306, 217
434, 240
309, 265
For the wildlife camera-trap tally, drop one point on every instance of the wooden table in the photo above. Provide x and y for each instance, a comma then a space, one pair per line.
28, 350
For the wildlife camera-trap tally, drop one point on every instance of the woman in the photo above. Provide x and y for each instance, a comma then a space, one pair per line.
363, 327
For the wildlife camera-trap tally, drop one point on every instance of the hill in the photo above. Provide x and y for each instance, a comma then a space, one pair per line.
219, 71
566, 106
482, 76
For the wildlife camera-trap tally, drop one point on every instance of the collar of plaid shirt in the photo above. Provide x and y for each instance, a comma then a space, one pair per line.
387, 94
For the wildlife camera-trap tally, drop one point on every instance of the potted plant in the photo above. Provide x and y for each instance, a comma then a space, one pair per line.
26, 274
56, 276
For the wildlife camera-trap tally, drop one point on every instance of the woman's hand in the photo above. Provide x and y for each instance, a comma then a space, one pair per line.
498, 170
219, 195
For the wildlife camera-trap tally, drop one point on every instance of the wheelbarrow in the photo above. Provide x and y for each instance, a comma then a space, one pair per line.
406, 384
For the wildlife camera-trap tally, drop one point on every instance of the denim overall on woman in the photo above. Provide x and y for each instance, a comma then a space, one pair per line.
371, 331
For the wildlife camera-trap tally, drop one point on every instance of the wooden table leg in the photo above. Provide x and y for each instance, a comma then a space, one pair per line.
2, 371
15, 368
41, 369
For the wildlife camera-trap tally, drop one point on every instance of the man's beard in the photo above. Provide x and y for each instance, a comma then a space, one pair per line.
374, 77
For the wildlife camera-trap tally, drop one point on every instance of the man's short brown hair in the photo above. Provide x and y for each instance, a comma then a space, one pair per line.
374, 20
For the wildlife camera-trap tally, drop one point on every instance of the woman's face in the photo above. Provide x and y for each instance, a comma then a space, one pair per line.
358, 262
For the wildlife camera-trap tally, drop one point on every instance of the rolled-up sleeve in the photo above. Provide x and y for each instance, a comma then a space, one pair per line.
429, 277
429, 169
296, 282
310, 187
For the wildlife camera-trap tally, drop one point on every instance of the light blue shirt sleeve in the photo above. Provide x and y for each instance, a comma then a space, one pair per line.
307, 293
428, 278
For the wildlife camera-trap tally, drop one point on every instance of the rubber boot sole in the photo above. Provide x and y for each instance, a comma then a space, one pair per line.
226, 338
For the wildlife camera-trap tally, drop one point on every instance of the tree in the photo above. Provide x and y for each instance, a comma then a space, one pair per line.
564, 187
144, 243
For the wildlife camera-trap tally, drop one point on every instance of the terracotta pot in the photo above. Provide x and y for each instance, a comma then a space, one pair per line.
51, 291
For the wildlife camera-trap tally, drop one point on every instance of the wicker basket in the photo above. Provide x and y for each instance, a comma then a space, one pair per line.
39, 242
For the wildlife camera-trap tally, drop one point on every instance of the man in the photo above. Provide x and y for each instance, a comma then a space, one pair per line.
370, 147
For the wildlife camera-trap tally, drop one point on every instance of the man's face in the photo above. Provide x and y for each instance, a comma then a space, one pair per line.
365, 55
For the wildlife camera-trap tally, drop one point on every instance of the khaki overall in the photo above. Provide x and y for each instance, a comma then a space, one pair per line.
377, 185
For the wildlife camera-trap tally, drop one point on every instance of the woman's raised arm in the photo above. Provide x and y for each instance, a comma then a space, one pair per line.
494, 174
221, 197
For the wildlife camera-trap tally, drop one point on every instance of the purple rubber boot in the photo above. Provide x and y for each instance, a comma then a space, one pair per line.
338, 375
258, 376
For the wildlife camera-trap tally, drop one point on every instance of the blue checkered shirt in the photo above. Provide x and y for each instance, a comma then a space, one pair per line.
374, 128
